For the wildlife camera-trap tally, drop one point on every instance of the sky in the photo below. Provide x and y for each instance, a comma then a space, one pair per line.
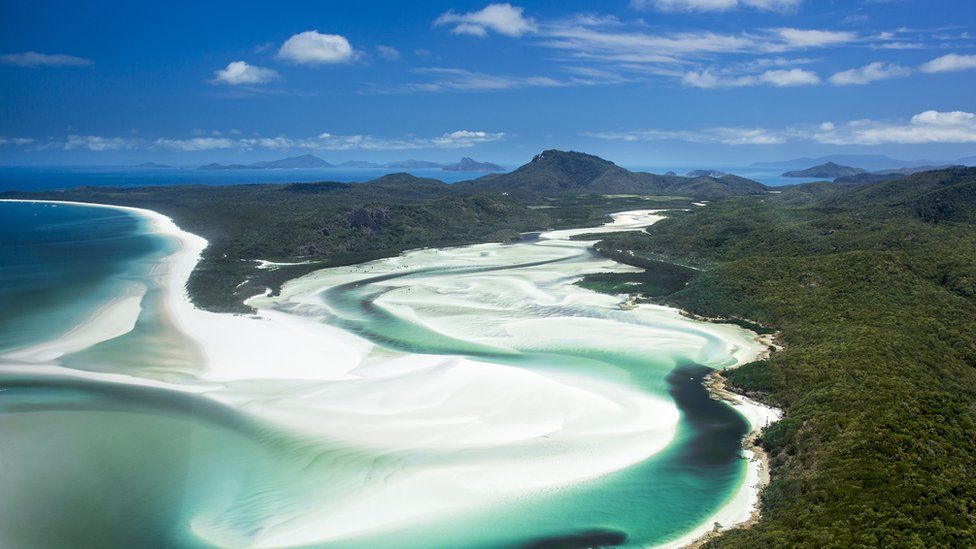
640, 82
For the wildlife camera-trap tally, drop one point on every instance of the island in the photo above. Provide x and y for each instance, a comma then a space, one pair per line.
829, 170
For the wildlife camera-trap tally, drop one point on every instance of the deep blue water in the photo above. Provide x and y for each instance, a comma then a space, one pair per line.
46, 178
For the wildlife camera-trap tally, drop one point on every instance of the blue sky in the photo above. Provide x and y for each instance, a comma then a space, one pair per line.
642, 82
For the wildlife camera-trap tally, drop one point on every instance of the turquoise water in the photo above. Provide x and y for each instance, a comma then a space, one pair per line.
87, 462
60, 263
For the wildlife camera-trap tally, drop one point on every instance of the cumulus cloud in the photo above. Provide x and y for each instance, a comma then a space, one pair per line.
98, 143
950, 63
501, 18
715, 5
925, 127
314, 48
34, 59
869, 73
388, 52
239, 72
779, 78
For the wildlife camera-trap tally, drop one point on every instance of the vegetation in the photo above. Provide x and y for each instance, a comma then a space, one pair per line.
874, 291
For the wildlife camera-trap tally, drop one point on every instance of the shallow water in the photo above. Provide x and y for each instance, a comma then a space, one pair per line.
466, 397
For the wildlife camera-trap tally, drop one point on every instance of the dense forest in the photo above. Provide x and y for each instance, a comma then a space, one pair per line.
873, 291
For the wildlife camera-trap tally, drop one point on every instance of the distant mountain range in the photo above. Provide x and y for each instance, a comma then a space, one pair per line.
830, 170
555, 173
312, 162
865, 161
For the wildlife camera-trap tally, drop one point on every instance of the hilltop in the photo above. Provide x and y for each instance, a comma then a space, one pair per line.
562, 173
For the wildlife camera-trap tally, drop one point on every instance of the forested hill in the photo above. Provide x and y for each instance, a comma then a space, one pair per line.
561, 173
873, 289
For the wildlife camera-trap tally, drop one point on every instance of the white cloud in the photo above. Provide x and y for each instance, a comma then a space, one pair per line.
806, 38
716, 5
450, 79
314, 48
196, 143
466, 138
239, 72
98, 143
790, 77
709, 79
631, 46
722, 135
950, 63
869, 73
324, 141
34, 59
501, 18
925, 127
388, 52
779, 78
452, 140
15, 141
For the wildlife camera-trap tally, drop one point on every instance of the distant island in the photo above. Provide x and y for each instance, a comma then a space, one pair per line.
413, 165
312, 162
470, 165
152, 165
870, 162
705, 173
359, 164
829, 170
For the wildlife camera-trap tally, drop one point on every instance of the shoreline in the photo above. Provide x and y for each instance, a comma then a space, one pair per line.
197, 326
745, 506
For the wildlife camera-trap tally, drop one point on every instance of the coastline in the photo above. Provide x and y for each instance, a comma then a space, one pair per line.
745, 507
202, 326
